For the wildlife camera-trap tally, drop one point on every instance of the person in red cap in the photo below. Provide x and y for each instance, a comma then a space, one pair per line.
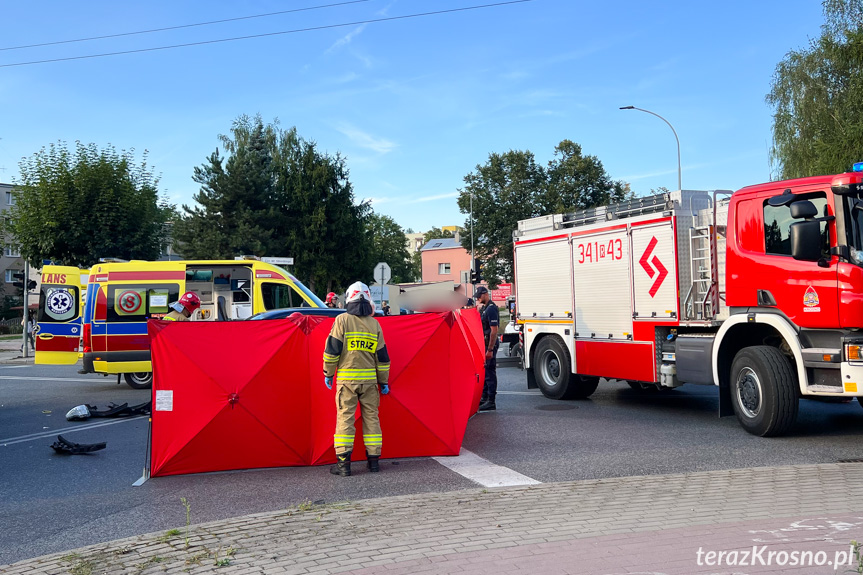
183, 308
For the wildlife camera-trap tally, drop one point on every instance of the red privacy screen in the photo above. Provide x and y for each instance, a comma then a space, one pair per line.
250, 394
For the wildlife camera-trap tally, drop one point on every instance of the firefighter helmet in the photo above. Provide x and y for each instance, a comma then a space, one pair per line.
331, 297
356, 291
190, 301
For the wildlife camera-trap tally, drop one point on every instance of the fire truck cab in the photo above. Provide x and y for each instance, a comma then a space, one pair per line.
759, 292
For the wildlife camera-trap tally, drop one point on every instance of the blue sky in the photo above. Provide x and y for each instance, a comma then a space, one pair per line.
413, 104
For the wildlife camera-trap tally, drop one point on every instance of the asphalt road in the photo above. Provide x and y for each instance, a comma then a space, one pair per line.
53, 503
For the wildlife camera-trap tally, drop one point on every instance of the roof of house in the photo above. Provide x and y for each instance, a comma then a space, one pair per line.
441, 244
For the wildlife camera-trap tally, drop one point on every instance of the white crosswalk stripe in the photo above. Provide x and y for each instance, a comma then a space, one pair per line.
482, 471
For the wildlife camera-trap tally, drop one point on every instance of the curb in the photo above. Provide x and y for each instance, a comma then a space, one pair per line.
367, 534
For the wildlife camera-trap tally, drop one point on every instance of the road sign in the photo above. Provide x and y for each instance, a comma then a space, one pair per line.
382, 273
279, 261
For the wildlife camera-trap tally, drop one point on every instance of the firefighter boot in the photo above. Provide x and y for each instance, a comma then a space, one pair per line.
372, 462
343, 464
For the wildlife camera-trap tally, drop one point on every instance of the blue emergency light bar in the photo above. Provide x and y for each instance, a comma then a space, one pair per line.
858, 167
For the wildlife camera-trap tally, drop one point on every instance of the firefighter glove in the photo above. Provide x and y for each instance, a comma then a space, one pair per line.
385, 389
328, 381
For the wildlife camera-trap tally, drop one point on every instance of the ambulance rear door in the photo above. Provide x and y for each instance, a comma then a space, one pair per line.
58, 327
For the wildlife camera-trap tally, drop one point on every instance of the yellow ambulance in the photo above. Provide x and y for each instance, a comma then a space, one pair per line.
109, 329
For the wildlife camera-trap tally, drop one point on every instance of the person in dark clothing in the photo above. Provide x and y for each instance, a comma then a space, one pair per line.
490, 321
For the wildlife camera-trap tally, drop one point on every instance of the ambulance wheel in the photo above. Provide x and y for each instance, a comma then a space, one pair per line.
139, 380
764, 391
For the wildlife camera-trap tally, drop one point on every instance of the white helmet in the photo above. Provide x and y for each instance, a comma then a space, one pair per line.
357, 291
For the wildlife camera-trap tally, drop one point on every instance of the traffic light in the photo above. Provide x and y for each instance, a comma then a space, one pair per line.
476, 273
19, 282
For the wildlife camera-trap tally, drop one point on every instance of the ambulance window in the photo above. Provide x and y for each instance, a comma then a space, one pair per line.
139, 302
278, 296
58, 303
777, 226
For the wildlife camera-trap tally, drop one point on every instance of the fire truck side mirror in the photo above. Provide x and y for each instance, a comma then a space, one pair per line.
806, 241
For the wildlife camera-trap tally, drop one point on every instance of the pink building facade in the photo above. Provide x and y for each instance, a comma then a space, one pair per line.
445, 260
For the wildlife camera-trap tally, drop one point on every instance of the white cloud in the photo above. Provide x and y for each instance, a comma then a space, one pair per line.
346, 39
434, 198
366, 140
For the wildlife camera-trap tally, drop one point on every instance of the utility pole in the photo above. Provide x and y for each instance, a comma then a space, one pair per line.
472, 258
26, 308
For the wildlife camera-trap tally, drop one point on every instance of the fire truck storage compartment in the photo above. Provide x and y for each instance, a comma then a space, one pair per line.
602, 285
544, 288
653, 251
693, 356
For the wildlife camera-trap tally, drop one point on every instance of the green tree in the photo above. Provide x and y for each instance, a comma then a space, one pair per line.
388, 244
75, 206
817, 97
512, 187
276, 194
576, 182
505, 190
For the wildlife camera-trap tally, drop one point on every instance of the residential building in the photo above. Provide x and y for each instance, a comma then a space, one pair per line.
445, 259
414, 242
10, 260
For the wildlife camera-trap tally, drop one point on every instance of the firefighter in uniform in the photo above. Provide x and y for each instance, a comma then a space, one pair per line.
357, 351
490, 320
332, 300
183, 308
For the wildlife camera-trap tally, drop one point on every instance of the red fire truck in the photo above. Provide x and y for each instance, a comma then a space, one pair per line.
759, 292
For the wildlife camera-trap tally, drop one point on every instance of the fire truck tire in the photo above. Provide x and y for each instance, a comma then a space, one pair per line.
764, 391
140, 380
551, 369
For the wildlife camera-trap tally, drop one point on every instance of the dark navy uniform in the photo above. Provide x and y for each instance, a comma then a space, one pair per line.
490, 318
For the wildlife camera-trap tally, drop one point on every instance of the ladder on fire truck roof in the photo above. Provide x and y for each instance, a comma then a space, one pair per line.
628, 209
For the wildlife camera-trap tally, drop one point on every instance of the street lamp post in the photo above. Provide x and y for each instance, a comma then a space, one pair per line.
472, 259
679, 171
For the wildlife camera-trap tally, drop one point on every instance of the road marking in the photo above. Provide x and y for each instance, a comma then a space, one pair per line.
44, 434
28, 377
13, 366
483, 471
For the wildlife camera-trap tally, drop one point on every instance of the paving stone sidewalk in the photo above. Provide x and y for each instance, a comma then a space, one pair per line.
10, 352
651, 524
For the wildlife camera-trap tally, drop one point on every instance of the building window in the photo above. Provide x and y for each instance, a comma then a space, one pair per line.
443, 269
12, 252
10, 199
8, 277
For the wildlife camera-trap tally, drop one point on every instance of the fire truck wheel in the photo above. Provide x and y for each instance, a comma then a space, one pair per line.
140, 380
551, 369
764, 391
